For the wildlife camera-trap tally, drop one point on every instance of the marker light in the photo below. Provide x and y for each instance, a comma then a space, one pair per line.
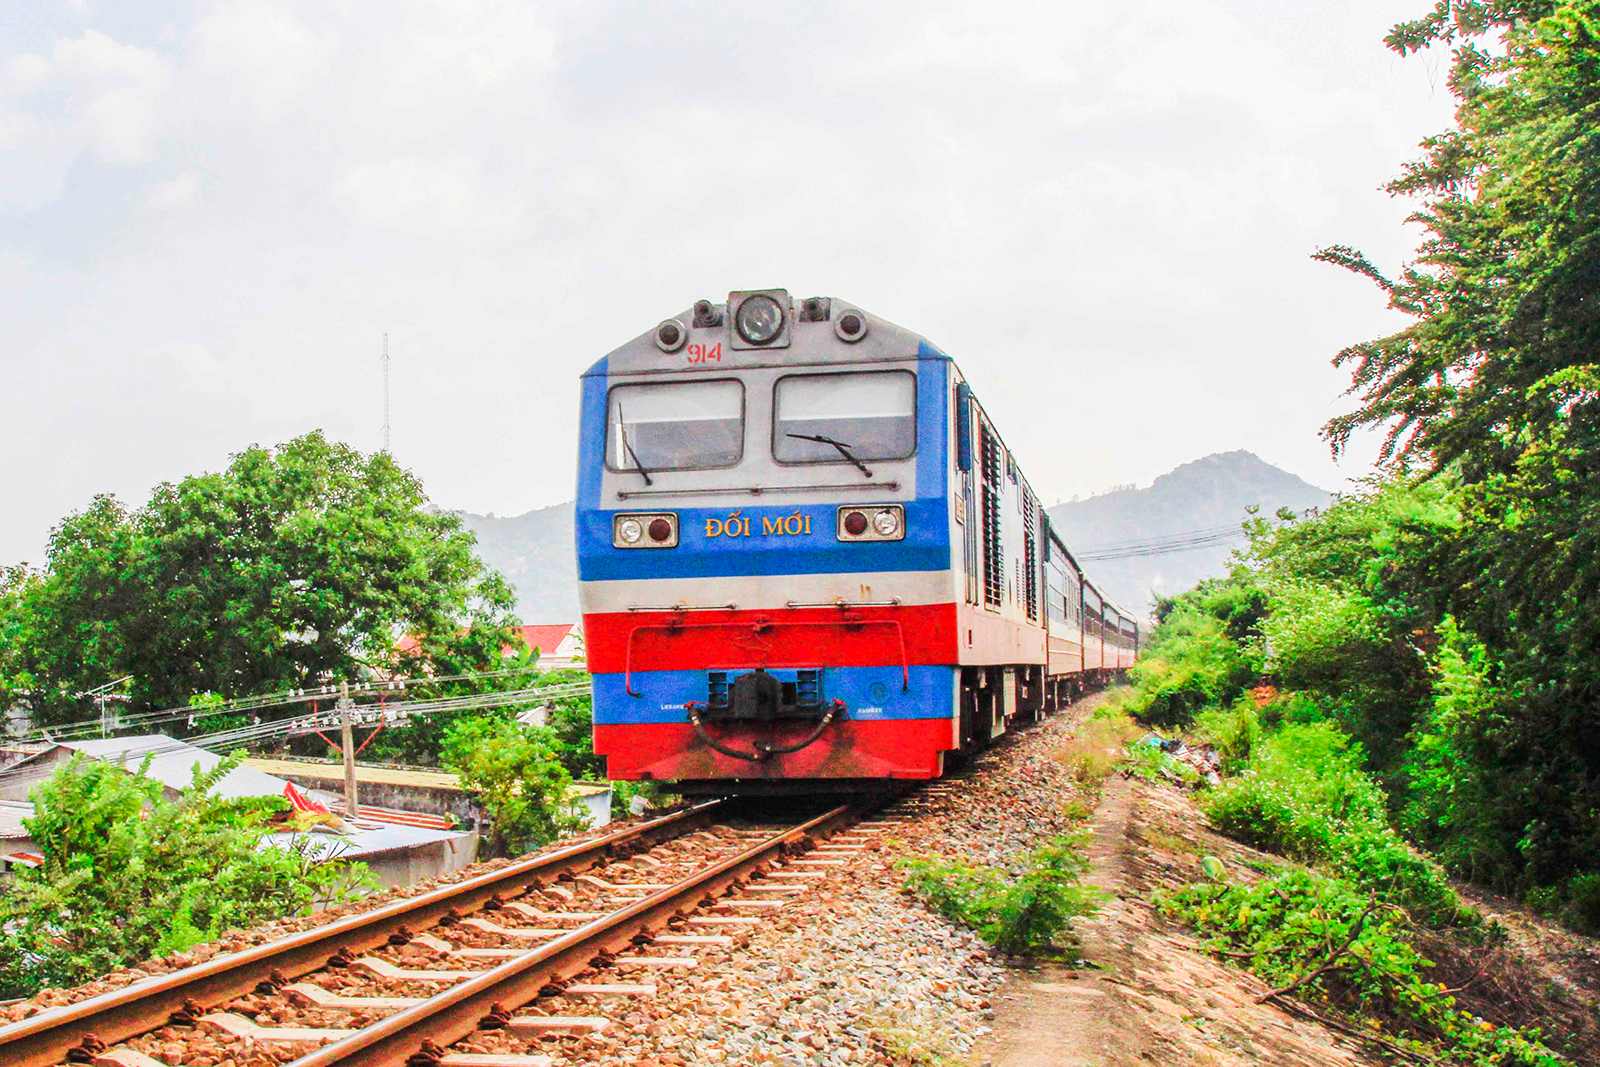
872, 522
644, 529
760, 319
851, 326
670, 335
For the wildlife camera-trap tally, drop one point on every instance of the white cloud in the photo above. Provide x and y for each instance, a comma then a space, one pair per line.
222, 211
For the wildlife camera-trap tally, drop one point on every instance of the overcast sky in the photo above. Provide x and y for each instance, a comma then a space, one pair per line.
210, 212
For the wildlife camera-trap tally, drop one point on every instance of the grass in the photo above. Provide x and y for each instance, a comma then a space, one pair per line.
1098, 747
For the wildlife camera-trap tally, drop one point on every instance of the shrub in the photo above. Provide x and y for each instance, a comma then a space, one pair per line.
1324, 938
517, 774
1018, 915
1233, 731
1303, 794
129, 874
1191, 663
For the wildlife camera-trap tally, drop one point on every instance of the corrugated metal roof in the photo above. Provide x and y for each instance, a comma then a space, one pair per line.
367, 842
12, 812
172, 763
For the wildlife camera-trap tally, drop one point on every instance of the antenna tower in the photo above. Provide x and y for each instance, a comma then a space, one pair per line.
386, 390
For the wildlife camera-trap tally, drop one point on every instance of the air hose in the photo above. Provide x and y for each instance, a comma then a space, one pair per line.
762, 750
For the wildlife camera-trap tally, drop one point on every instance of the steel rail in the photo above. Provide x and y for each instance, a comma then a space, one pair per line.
48, 1037
419, 1035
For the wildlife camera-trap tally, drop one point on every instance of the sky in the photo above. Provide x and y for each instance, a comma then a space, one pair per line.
210, 213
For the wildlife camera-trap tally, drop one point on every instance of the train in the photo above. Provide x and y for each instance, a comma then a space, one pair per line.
808, 561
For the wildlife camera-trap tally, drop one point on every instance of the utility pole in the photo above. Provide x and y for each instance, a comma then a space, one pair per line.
386, 391
347, 742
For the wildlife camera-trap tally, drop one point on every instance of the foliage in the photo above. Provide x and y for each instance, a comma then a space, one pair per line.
1191, 661
293, 566
1233, 731
1493, 388
1303, 793
128, 874
1324, 938
1021, 914
517, 773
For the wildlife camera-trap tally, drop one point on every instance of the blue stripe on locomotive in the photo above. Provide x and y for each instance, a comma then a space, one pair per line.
926, 546
869, 693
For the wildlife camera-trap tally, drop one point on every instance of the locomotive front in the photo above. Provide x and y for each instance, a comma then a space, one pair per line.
764, 536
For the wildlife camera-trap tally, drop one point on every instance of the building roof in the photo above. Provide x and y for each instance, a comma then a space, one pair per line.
12, 812
546, 637
364, 773
172, 763
367, 841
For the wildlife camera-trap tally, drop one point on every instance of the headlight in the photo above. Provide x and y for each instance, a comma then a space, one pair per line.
872, 522
644, 529
760, 319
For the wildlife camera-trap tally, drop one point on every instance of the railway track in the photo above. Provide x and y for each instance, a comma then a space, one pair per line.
401, 983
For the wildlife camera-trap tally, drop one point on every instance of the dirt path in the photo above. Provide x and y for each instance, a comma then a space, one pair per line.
1152, 997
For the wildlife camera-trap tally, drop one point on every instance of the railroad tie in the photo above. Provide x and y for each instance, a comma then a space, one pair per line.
824, 862
656, 961
126, 1057
806, 875
787, 889
610, 989
719, 940
623, 887
747, 903
385, 969
541, 915
537, 1025
493, 1059
308, 993
240, 1026
510, 931
723, 920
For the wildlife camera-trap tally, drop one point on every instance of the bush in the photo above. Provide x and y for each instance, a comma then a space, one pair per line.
1024, 914
1190, 663
129, 874
1303, 794
1233, 731
1324, 938
517, 774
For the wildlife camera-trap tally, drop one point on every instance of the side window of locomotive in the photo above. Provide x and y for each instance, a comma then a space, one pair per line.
675, 425
828, 418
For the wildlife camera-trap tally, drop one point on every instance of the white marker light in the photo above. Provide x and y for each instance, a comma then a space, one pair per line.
887, 523
629, 531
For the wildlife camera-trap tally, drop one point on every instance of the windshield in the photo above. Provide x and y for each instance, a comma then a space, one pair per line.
675, 426
872, 415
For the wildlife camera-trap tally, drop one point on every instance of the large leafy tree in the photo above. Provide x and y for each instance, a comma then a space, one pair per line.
293, 566
1496, 383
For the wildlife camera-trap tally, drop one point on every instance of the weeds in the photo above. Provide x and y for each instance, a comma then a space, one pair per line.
1092, 753
1022, 914
1321, 938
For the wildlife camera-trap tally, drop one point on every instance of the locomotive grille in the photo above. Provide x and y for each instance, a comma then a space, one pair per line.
1030, 553
994, 567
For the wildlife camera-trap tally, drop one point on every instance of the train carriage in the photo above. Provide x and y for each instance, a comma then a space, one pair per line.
807, 557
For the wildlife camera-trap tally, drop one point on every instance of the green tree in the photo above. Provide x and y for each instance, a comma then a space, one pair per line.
517, 774
1496, 384
293, 566
129, 874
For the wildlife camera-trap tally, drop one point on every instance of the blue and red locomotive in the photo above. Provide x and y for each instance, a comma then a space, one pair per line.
806, 554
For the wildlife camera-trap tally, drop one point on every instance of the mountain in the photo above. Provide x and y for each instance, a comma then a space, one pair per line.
536, 553
1206, 498
1178, 530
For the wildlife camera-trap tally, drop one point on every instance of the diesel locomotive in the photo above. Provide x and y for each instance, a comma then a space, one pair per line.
807, 559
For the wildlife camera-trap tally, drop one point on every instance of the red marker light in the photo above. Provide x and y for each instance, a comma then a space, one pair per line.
855, 524
660, 530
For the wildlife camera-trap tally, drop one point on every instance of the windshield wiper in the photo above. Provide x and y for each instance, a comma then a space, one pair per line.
844, 449
622, 429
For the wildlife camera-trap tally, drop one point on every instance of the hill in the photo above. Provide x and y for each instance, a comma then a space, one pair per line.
1196, 506
536, 553
535, 550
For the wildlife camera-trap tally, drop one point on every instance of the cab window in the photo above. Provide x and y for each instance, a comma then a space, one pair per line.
675, 425
832, 418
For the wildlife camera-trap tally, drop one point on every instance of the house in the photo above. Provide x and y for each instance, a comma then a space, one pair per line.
559, 644
399, 846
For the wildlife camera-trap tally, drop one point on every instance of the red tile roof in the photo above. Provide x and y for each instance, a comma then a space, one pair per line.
546, 638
